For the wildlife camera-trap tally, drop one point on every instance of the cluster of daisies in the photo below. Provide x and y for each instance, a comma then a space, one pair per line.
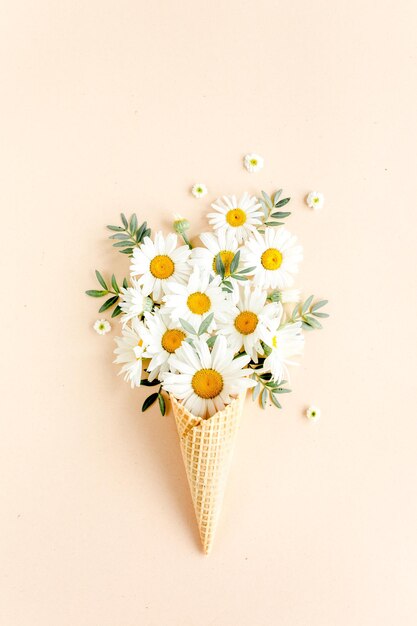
209, 321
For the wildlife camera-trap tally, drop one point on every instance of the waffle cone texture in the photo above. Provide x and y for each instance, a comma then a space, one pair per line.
207, 447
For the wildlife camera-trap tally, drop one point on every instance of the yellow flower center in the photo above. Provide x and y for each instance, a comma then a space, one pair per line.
271, 259
198, 303
172, 339
162, 266
275, 342
246, 322
207, 383
236, 217
226, 257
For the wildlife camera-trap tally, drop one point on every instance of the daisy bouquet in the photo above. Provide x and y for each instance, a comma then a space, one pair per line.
205, 323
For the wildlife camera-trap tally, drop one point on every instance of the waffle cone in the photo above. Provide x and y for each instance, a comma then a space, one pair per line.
207, 448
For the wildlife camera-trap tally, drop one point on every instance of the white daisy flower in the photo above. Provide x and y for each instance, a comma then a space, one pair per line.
194, 301
251, 321
199, 190
207, 381
275, 255
160, 261
313, 413
102, 327
133, 301
286, 343
238, 216
253, 162
162, 338
129, 351
223, 243
315, 200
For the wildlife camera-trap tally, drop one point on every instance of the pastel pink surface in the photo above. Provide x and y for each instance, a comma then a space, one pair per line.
123, 106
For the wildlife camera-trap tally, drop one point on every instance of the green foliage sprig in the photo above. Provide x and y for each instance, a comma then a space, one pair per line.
129, 235
266, 388
157, 395
270, 204
233, 273
105, 291
308, 313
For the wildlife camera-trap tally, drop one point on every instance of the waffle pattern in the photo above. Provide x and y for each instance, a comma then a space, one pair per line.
207, 449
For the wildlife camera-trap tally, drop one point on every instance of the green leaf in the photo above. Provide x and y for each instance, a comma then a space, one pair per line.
149, 401
133, 223
127, 251
319, 314
125, 283
120, 236
220, 265
267, 199
273, 223
187, 326
277, 196
117, 311
122, 244
319, 305
306, 305
247, 270
124, 220
282, 203
255, 391
149, 383
117, 228
264, 397
114, 283
274, 296
235, 262
101, 280
94, 293
275, 401
313, 322
108, 304
147, 233
282, 390
306, 326
280, 215
227, 284
264, 207
239, 277
295, 311
161, 403
211, 341
140, 231
205, 324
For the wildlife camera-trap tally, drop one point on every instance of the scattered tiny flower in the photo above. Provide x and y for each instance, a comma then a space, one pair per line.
102, 327
315, 200
199, 190
313, 413
253, 162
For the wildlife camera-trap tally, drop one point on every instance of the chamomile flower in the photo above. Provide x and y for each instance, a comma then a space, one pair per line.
160, 261
102, 327
206, 381
133, 301
313, 413
253, 162
199, 190
129, 352
240, 217
224, 243
251, 321
194, 301
315, 200
162, 338
285, 343
275, 255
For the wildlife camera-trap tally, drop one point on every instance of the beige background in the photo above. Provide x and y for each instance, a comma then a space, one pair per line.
110, 106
